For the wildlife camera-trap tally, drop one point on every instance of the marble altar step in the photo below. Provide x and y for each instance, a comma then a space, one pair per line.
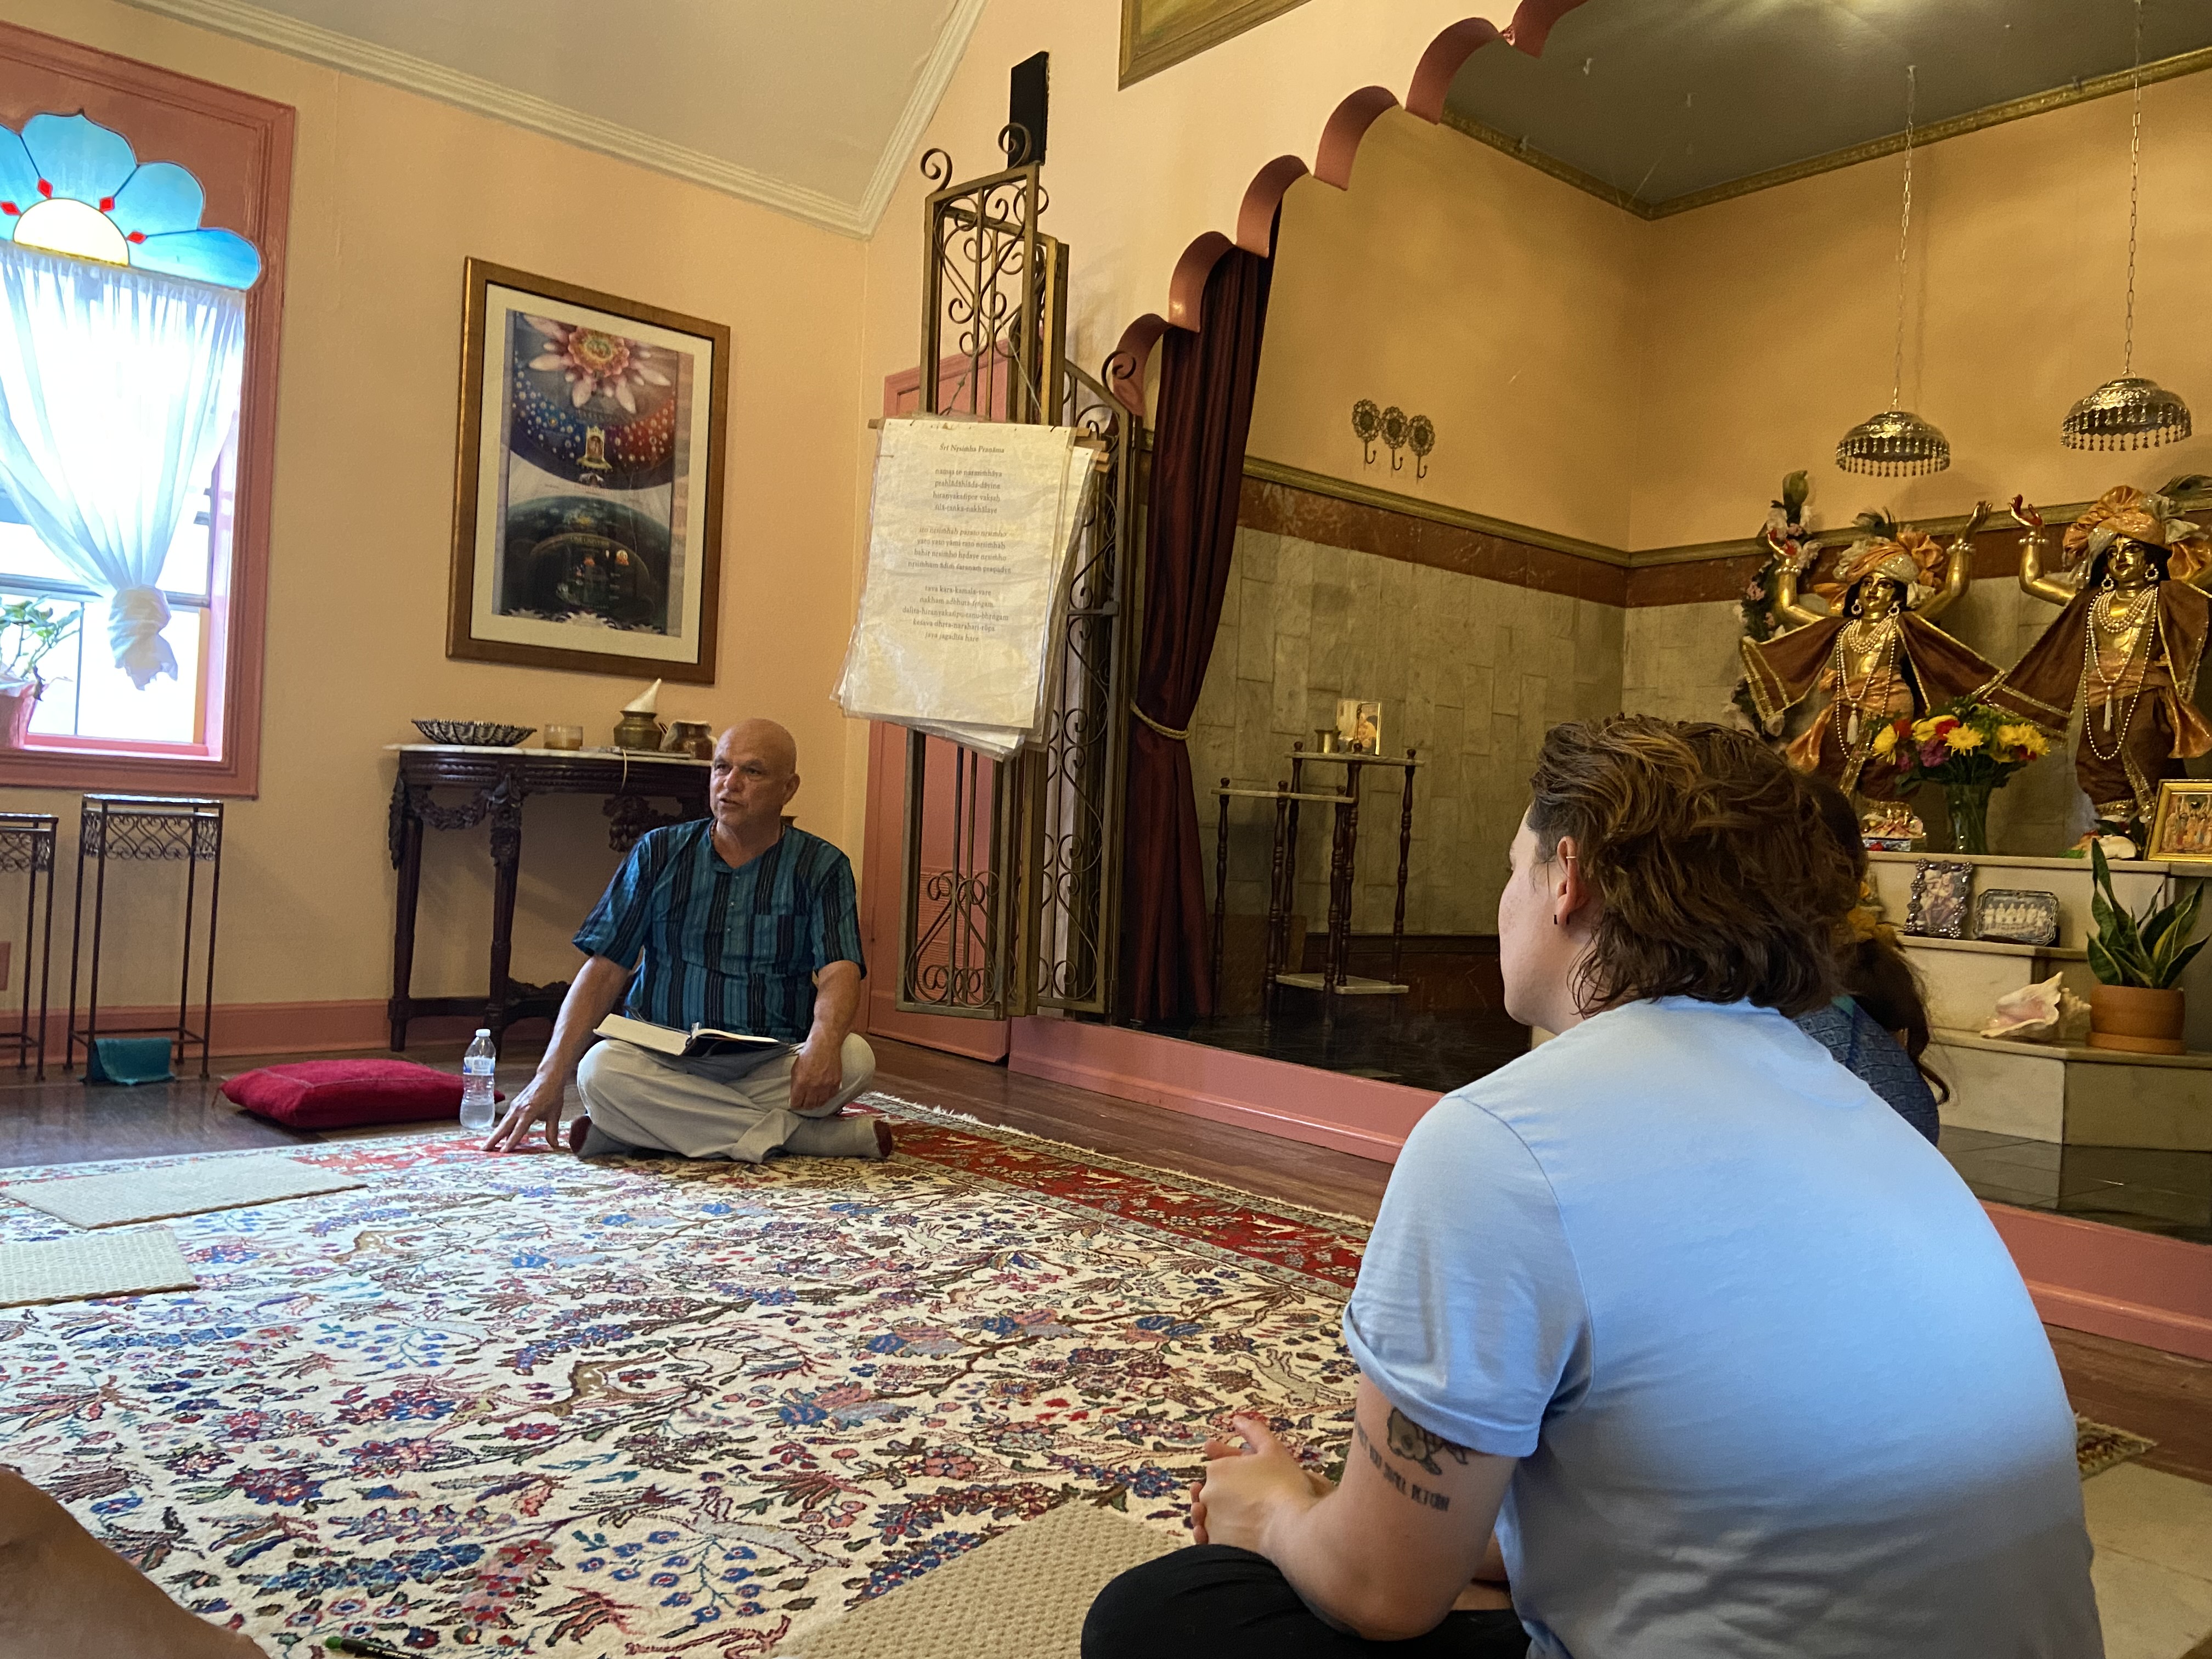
2080, 1096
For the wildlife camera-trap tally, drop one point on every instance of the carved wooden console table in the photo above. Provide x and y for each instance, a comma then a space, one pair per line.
499, 780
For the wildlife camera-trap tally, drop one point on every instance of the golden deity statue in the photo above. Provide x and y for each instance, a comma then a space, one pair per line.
1875, 652
2125, 646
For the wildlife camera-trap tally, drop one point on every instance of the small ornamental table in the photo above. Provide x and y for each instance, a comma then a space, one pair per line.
1282, 883
1335, 980
499, 780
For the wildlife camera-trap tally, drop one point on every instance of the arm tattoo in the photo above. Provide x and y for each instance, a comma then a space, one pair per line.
1428, 1500
1410, 1441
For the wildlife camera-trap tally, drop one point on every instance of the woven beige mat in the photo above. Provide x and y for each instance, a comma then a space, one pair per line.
104, 1264
217, 1183
1023, 1595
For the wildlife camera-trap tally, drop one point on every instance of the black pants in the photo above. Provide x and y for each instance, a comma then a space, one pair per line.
1210, 1602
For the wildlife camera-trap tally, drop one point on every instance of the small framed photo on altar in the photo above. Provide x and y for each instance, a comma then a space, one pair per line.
1942, 895
587, 504
2182, 831
1359, 726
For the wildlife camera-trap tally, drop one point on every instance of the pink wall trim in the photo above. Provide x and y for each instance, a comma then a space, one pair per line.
1349, 1114
2136, 1288
2084, 1276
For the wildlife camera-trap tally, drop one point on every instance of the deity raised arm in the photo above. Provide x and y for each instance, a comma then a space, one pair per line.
1872, 652
2126, 646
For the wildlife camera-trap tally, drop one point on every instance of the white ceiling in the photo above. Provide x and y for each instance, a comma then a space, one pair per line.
810, 107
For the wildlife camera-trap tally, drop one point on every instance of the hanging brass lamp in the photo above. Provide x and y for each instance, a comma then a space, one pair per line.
2129, 412
1897, 443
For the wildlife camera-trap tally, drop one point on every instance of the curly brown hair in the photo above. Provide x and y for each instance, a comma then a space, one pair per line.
1715, 875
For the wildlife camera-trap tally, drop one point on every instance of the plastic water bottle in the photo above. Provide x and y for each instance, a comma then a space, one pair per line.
478, 1108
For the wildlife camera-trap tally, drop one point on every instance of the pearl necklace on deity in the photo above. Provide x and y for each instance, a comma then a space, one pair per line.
1873, 695
2142, 606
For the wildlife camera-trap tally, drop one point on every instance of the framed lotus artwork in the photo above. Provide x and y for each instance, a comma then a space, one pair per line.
587, 504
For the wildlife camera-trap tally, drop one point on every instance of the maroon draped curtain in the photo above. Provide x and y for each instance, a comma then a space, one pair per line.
1206, 381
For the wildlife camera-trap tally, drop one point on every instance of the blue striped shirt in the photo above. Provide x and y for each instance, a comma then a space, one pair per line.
732, 948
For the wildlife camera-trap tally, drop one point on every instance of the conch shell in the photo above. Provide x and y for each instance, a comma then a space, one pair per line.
2043, 1012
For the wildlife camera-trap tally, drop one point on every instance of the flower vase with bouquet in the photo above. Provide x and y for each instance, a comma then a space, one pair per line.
1967, 749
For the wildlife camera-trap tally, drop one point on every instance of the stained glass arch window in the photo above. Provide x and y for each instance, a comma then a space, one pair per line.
70, 186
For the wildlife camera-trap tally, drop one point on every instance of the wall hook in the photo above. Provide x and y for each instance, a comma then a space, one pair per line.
1367, 422
1394, 434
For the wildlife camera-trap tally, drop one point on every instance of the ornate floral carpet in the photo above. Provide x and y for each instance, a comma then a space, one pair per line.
607, 1409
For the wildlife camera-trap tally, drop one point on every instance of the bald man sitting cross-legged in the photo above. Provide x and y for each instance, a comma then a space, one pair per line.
733, 921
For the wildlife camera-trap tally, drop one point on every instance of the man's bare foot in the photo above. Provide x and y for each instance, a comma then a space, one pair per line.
883, 1142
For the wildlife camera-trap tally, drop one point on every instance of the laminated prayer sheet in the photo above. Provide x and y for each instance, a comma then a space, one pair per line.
971, 529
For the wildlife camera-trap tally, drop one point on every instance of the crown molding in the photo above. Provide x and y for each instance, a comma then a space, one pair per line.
488, 97
920, 109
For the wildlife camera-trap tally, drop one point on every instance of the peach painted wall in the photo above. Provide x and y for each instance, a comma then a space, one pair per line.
1508, 317
1135, 175
1771, 318
391, 192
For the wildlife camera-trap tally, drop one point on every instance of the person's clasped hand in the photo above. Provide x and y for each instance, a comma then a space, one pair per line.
1247, 1486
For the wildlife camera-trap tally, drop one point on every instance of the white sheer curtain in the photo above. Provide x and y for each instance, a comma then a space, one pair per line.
117, 391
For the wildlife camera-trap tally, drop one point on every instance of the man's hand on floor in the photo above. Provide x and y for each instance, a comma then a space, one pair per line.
815, 1072
539, 1102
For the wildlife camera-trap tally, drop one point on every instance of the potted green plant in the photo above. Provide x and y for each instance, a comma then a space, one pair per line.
2136, 1005
29, 632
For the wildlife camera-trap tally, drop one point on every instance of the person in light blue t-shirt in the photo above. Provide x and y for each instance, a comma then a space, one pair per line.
1728, 1357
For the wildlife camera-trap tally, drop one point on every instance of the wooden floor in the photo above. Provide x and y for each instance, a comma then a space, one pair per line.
2160, 1396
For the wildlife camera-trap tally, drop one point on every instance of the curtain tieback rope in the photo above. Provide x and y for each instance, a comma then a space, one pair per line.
1183, 736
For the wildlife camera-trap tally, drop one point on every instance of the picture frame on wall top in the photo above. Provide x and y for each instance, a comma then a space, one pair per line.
587, 499
1157, 34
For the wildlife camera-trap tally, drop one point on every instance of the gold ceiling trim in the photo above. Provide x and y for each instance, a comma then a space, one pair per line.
2041, 103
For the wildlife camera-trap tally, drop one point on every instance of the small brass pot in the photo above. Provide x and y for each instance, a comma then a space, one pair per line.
637, 732
692, 737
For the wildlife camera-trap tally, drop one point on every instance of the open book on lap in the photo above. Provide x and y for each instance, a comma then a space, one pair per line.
700, 1042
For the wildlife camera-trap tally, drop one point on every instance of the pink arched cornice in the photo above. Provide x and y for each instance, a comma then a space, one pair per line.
1347, 125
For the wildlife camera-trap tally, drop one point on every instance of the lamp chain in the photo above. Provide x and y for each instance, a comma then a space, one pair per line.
2135, 183
1905, 230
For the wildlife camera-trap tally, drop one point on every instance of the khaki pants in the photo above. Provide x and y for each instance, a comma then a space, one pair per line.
733, 1106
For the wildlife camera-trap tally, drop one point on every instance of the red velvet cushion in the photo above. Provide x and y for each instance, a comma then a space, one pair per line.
335, 1094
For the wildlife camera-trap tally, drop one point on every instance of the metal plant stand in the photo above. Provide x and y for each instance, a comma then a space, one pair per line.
27, 843
147, 829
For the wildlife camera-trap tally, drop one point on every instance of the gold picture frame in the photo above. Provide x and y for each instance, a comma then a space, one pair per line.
587, 494
1157, 34
2181, 833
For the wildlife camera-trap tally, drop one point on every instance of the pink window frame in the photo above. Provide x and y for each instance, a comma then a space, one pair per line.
239, 148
